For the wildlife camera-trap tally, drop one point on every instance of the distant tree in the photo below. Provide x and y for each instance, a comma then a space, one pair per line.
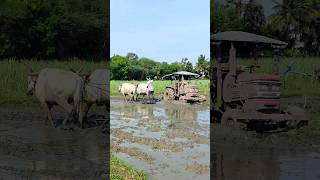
54, 29
253, 18
132, 56
296, 18
189, 66
238, 5
202, 66
120, 68
224, 18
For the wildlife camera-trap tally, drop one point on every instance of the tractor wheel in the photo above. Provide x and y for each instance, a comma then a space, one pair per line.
228, 119
168, 94
299, 115
182, 99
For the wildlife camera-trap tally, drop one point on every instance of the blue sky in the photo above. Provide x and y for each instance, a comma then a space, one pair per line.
163, 30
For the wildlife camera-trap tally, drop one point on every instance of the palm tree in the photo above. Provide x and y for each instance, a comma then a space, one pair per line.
292, 16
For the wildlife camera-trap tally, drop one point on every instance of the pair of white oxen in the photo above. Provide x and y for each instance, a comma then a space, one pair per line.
132, 90
73, 92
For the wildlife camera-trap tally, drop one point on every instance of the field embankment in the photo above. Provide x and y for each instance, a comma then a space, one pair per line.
122, 171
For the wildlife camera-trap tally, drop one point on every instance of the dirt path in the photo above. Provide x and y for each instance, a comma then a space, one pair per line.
32, 150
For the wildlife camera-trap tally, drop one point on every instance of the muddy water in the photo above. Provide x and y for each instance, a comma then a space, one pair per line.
165, 140
236, 163
292, 155
31, 150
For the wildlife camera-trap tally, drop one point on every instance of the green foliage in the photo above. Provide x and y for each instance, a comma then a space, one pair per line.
296, 22
131, 67
53, 28
224, 18
253, 17
203, 66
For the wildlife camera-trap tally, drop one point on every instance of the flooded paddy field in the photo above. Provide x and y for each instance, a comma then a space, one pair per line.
291, 155
165, 140
29, 149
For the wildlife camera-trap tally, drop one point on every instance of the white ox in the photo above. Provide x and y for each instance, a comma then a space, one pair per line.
145, 89
57, 87
127, 89
97, 90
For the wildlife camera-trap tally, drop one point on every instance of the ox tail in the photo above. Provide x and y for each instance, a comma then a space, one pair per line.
79, 100
135, 93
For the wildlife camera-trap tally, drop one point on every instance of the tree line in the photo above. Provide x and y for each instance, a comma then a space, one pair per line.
132, 67
296, 22
50, 29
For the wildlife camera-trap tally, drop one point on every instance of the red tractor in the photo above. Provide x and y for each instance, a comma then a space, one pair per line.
243, 98
181, 90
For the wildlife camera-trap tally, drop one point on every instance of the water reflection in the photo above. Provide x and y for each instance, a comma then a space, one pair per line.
234, 163
171, 134
187, 114
141, 110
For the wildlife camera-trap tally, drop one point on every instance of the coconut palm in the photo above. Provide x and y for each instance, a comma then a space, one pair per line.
294, 17
290, 14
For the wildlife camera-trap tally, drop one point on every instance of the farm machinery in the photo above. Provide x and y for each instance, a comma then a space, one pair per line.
181, 90
241, 97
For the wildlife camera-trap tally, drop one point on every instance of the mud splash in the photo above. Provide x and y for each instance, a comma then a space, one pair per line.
167, 141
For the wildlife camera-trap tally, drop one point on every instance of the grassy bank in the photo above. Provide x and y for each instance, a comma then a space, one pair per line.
159, 86
122, 171
13, 73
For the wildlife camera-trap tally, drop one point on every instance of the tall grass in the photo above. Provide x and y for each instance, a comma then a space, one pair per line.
13, 76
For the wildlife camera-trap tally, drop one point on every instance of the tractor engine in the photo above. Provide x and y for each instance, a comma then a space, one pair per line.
260, 92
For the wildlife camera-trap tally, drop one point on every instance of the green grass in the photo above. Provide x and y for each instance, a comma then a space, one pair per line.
294, 85
13, 73
159, 86
122, 171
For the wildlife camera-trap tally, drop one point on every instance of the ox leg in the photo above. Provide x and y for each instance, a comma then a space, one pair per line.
67, 107
86, 109
47, 108
125, 98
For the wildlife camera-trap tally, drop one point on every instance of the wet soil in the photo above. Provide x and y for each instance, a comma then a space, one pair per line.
165, 140
29, 149
294, 154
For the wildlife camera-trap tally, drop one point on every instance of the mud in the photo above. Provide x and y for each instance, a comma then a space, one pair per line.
295, 154
29, 149
166, 140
